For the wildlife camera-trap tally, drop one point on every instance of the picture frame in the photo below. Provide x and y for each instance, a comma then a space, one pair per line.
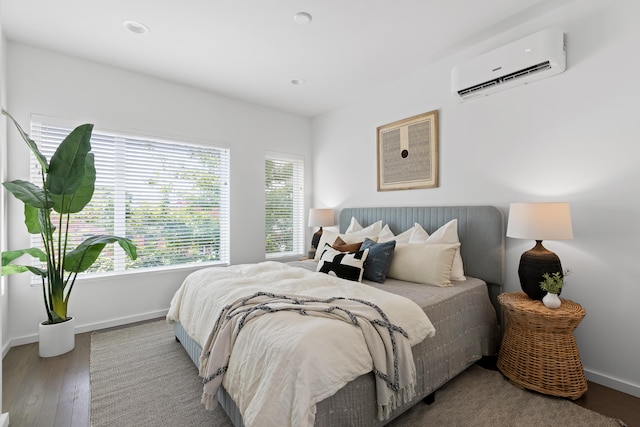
407, 152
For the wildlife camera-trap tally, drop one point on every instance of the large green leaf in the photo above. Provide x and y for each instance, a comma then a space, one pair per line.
32, 145
73, 203
9, 256
31, 220
13, 269
28, 193
83, 257
68, 163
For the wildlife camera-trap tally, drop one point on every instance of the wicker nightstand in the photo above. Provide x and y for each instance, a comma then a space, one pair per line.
538, 350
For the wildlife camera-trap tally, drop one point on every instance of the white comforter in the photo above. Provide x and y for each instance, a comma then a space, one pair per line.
277, 378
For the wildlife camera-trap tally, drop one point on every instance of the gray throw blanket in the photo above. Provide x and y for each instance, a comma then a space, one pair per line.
388, 344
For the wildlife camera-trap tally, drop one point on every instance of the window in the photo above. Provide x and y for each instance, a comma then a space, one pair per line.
284, 200
170, 198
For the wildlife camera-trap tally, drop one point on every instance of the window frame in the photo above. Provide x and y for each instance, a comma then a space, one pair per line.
299, 229
120, 133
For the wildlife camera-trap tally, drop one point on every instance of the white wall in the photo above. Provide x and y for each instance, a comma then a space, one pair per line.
572, 137
46, 83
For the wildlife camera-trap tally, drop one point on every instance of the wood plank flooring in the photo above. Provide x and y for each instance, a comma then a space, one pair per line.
57, 391
48, 392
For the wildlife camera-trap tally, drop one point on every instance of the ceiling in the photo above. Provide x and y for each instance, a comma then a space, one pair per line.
252, 49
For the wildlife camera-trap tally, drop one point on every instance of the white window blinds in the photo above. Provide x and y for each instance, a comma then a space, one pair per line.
170, 198
284, 205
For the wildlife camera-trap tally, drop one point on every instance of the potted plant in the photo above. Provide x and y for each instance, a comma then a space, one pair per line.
552, 284
68, 181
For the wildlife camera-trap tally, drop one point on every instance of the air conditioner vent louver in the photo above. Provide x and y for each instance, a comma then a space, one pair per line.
531, 58
543, 66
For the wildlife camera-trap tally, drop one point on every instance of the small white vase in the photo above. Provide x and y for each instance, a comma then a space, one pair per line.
56, 338
551, 300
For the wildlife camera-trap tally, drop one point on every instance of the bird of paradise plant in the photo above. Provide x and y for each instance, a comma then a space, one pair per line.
68, 182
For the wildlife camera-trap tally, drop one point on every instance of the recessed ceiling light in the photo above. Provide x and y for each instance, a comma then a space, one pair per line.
135, 27
302, 18
297, 81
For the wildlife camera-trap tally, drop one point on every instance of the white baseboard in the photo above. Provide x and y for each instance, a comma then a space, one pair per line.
5, 349
88, 327
614, 383
120, 321
4, 420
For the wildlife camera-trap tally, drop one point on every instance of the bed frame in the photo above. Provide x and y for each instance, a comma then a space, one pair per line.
481, 233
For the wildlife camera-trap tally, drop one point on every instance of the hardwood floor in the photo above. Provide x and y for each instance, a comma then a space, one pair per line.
57, 391
47, 392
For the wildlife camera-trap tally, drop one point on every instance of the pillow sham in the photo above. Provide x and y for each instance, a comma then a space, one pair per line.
418, 234
428, 263
386, 235
345, 265
358, 236
379, 259
448, 233
354, 225
328, 237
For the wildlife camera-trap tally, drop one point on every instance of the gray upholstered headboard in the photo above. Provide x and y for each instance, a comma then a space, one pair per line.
480, 230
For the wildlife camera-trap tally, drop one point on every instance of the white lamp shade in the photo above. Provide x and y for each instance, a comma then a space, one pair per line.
321, 218
540, 221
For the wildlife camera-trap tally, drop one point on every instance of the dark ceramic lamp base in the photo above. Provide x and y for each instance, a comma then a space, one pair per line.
533, 264
315, 240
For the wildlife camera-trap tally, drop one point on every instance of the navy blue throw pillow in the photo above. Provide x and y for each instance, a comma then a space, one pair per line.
378, 262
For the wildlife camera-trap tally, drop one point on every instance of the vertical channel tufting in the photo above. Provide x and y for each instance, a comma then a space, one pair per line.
480, 229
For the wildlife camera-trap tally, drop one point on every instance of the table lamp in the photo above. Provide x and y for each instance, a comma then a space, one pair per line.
319, 218
538, 221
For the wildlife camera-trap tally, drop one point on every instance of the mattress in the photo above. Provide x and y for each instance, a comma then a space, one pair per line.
466, 330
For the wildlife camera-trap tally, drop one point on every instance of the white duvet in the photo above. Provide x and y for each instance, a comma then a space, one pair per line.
277, 378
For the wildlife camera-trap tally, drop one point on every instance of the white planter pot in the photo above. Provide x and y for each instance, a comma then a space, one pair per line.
57, 338
551, 300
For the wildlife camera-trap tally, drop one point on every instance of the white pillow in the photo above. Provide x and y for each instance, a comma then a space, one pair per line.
418, 234
327, 237
346, 265
358, 236
423, 263
448, 233
354, 225
386, 235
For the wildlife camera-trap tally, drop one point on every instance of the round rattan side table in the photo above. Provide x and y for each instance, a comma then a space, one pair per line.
538, 350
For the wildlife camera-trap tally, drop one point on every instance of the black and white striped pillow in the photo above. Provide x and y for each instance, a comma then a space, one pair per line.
346, 265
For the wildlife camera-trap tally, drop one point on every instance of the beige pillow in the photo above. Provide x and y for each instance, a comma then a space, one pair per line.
428, 263
448, 233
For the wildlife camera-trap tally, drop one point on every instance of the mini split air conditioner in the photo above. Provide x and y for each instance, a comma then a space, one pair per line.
535, 57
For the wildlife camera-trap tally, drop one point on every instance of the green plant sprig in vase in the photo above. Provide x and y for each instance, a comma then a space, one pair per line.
68, 182
552, 283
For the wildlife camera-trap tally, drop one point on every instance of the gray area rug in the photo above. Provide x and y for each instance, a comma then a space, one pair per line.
140, 376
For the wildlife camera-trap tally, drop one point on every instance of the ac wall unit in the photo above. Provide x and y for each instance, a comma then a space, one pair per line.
534, 57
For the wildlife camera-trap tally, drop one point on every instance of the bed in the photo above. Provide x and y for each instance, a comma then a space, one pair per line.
464, 315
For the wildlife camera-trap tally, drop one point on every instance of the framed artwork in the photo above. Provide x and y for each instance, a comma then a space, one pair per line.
408, 153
